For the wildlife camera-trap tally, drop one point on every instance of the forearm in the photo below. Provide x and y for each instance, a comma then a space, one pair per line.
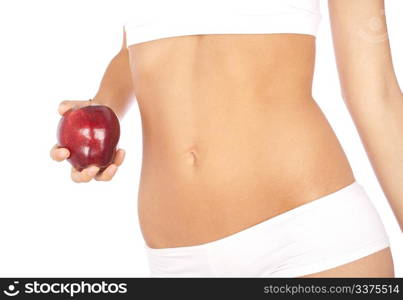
116, 88
381, 130
370, 89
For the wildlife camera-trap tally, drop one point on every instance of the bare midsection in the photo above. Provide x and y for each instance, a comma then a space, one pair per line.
231, 135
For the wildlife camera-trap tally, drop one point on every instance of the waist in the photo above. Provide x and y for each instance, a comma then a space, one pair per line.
214, 178
277, 144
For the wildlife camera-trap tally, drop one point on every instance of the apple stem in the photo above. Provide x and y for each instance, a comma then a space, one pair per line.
90, 101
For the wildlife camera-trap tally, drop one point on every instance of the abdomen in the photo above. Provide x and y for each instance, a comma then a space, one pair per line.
231, 134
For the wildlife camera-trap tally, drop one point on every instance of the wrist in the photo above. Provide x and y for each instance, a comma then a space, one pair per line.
99, 99
103, 99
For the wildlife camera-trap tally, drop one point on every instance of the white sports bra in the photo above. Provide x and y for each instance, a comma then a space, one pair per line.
149, 20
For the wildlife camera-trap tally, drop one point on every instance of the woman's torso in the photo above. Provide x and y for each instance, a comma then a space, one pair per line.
231, 134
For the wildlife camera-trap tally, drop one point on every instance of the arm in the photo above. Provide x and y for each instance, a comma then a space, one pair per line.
370, 89
116, 91
116, 88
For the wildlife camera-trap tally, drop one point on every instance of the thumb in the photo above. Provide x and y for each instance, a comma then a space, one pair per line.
68, 104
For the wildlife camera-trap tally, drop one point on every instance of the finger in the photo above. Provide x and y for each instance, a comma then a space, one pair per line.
108, 173
67, 104
119, 157
59, 154
85, 175
75, 175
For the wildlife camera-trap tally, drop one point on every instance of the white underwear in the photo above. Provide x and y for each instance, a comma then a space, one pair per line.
322, 234
157, 19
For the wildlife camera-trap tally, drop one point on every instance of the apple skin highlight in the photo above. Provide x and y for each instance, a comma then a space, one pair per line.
91, 134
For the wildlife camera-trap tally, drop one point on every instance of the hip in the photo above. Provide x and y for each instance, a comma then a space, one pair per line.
290, 244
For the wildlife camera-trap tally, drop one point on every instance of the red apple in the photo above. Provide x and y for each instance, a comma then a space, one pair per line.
91, 134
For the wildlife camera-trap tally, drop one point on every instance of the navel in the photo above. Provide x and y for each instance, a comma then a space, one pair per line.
191, 156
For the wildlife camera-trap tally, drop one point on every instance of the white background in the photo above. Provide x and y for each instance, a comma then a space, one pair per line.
58, 50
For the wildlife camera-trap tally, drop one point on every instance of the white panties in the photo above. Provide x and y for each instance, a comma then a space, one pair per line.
322, 234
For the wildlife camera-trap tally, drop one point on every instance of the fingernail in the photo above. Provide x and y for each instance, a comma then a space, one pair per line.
92, 171
64, 153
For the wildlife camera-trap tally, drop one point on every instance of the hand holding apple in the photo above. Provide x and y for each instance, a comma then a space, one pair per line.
88, 135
